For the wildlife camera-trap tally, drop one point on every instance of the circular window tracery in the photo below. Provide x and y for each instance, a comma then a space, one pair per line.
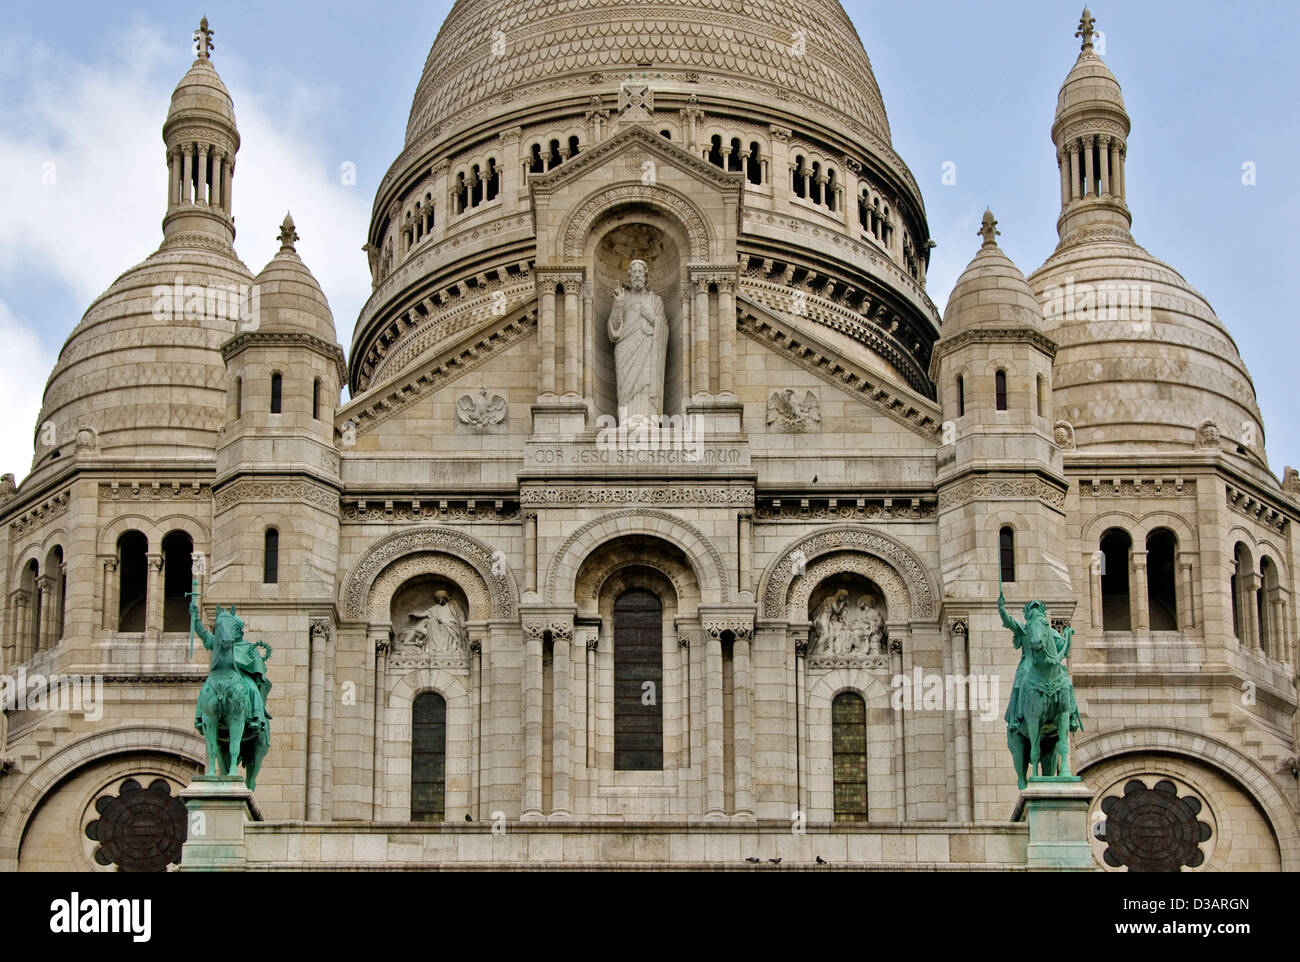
1152, 828
139, 829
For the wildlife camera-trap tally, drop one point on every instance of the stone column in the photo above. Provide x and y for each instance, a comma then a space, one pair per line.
746, 559
713, 774
20, 605
1074, 170
48, 589
572, 284
1088, 188
588, 341
1138, 593
1249, 585
201, 186
532, 702
685, 336
742, 722
958, 633
108, 619
1121, 171
218, 161
546, 335
700, 342
228, 176
173, 177
1063, 163
726, 335
1103, 154
561, 803
378, 636
530, 551
1094, 567
187, 172
319, 634
1186, 597
510, 165
154, 603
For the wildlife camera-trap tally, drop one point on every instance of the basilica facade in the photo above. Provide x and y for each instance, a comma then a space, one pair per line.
665, 522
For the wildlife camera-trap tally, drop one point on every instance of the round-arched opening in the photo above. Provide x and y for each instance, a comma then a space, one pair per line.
1116, 608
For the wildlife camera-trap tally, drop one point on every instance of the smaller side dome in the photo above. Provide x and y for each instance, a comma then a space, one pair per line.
287, 296
991, 292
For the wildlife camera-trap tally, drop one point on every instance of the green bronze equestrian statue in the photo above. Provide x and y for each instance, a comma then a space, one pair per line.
1042, 711
231, 712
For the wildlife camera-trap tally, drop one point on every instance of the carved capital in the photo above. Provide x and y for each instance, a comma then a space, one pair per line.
322, 629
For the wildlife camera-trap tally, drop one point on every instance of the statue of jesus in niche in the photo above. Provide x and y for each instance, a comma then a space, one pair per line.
638, 329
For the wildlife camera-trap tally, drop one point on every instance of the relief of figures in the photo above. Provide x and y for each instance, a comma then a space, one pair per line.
844, 625
435, 630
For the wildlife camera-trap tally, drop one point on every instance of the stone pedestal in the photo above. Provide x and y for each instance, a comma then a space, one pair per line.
219, 806
559, 418
719, 416
1056, 809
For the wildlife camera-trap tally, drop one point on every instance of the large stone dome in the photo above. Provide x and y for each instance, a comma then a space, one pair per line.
491, 54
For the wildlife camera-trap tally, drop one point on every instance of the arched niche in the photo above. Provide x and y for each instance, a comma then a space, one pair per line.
422, 594
849, 615
412, 582
637, 233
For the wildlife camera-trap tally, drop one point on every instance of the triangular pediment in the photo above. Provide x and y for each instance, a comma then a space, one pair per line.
640, 143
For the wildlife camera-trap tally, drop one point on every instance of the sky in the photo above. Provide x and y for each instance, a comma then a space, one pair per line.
325, 88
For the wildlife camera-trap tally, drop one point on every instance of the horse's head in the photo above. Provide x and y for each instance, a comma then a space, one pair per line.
229, 627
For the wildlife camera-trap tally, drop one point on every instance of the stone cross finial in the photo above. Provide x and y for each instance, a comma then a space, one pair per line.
989, 230
1085, 28
288, 235
203, 37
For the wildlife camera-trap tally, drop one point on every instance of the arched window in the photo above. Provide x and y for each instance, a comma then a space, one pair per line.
133, 581
178, 576
797, 177
715, 152
1041, 395
573, 146
1162, 597
277, 390
831, 187
55, 568
1000, 389
666, 134
271, 557
1234, 590
555, 158
849, 756
638, 682
536, 165
815, 183
239, 397
1116, 606
1007, 554
29, 631
1270, 634
754, 164
961, 395
734, 160
428, 757
315, 400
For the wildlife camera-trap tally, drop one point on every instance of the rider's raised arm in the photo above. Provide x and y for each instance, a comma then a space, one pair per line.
199, 629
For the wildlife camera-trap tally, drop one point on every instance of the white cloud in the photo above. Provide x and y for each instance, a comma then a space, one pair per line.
20, 391
83, 186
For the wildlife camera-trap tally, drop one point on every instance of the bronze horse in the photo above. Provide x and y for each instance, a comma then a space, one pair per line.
231, 711
1042, 711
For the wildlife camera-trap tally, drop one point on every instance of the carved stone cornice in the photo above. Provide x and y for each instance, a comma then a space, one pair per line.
1250, 505
419, 510
282, 339
155, 491
982, 335
638, 494
737, 619
39, 514
1001, 489
304, 492
1135, 488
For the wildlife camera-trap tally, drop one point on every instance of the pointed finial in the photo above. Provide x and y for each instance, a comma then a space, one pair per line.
1085, 28
287, 235
989, 230
203, 37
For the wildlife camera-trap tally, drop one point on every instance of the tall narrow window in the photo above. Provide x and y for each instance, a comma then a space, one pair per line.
754, 164
1269, 638
428, 757
239, 397
1041, 396
177, 548
1000, 389
1007, 554
1233, 582
1162, 598
277, 388
133, 580
961, 395
271, 557
638, 682
1116, 606
849, 756
315, 400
